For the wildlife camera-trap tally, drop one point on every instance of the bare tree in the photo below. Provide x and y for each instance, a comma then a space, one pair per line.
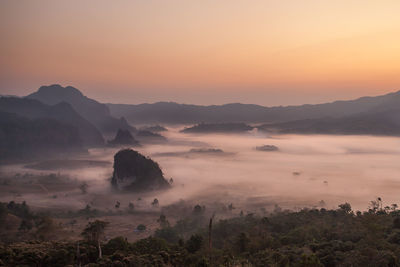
94, 231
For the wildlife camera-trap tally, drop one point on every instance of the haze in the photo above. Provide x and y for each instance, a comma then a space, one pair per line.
206, 52
305, 171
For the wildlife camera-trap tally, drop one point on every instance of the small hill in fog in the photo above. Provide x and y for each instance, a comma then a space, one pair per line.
267, 148
155, 128
135, 172
206, 150
98, 114
61, 112
218, 128
123, 137
146, 136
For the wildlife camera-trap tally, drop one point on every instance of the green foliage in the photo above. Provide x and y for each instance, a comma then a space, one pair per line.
149, 245
116, 244
310, 237
194, 243
168, 233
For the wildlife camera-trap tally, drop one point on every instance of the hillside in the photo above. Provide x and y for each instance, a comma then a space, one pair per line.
22, 138
62, 112
98, 114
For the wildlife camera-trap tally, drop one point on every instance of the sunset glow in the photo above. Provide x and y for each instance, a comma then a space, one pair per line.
274, 52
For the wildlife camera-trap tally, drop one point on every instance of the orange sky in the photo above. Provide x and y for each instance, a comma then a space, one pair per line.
207, 52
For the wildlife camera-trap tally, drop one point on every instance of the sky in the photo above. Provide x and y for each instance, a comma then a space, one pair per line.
203, 52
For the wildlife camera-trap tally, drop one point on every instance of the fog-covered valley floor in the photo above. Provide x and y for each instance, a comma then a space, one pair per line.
306, 171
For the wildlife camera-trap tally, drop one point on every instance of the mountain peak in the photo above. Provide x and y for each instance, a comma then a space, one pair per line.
58, 89
93, 111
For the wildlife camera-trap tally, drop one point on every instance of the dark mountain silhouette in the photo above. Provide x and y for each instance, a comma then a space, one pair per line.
218, 128
135, 172
98, 114
22, 138
173, 113
385, 122
123, 137
62, 112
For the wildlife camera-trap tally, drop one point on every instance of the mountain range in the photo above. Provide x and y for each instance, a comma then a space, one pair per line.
62, 119
174, 113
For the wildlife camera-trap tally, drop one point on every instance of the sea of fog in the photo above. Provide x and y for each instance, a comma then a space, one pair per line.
306, 171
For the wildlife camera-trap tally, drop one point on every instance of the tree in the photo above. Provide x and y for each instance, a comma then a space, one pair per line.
231, 207
194, 243
46, 228
198, 209
394, 207
242, 242
163, 221
3, 213
25, 225
375, 205
94, 231
155, 202
346, 207
83, 187
131, 206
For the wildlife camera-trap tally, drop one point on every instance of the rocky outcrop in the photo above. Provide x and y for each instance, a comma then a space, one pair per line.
135, 172
123, 137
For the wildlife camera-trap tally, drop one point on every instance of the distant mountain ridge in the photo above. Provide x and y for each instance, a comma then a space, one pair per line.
96, 113
173, 113
386, 122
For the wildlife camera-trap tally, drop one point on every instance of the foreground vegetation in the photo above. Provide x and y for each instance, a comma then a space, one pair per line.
310, 237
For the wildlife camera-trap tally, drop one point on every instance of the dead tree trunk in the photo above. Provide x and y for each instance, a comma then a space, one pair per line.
210, 236
78, 255
100, 254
